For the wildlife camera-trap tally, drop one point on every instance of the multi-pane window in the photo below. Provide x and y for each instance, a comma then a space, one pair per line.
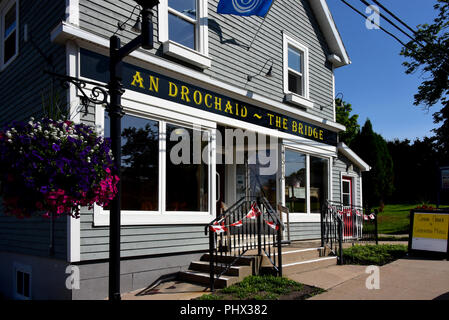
181, 161
183, 22
295, 71
183, 31
9, 32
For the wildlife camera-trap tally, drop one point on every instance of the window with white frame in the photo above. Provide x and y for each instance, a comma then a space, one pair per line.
183, 30
22, 281
9, 32
306, 181
296, 72
166, 170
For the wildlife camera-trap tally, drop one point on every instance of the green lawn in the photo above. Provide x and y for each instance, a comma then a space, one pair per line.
264, 288
395, 219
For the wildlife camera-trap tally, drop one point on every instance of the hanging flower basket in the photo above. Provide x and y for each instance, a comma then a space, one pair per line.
53, 168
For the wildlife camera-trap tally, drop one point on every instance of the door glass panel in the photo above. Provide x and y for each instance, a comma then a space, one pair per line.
295, 181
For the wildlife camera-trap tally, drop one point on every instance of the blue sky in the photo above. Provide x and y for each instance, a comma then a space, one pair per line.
375, 83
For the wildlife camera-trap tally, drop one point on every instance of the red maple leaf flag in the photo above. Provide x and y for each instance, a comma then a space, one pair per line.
272, 225
237, 224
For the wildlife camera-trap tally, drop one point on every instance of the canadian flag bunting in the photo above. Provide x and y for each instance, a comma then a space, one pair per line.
372, 216
237, 224
358, 213
218, 228
272, 225
340, 212
253, 213
365, 217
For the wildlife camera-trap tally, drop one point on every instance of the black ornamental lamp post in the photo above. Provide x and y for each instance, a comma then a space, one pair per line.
115, 110
99, 96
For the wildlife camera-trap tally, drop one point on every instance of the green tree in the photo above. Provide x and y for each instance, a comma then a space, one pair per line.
344, 117
431, 54
372, 148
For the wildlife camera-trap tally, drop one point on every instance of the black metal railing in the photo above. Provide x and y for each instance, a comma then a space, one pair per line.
359, 224
332, 230
250, 224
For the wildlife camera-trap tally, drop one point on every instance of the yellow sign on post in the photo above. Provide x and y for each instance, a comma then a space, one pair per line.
430, 231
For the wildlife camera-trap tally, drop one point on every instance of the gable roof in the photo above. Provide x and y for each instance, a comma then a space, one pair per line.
353, 157
339, 56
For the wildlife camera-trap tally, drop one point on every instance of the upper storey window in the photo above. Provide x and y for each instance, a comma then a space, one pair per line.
183, 30
9, 27
183, 22
296, 72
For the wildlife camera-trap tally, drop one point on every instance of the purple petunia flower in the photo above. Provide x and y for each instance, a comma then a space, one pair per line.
56, 147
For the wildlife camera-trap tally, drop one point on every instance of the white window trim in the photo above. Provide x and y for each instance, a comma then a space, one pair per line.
300, 100
305, 216
3, 9
199, 57
162, 217
354, 190
24, 269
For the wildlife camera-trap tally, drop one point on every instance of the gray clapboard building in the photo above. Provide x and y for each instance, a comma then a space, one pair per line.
208, 74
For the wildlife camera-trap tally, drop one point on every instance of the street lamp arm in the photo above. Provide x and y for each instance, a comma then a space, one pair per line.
129, 47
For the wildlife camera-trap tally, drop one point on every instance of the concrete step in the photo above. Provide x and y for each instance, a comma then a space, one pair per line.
203, 278
308, 265
236, 271
290, 255
242, 261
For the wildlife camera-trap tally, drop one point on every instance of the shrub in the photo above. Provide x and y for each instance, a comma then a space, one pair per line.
373, 254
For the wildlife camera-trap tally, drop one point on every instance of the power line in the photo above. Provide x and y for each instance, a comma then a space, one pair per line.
392, 23
392, 35
383, 29
394, 16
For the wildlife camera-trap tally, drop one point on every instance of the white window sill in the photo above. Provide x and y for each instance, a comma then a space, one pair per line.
305, 217
180, 52
298, 100
140, 218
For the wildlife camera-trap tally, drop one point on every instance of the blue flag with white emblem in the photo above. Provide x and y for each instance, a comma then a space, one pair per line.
244, 7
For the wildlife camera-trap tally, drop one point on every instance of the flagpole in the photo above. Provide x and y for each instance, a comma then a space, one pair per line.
260, 26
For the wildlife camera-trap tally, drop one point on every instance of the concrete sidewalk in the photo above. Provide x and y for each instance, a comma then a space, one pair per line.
403, 279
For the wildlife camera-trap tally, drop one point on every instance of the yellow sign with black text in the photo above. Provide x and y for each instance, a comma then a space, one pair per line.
431, 226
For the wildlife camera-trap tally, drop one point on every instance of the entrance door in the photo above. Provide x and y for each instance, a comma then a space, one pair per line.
347, 201
245, 176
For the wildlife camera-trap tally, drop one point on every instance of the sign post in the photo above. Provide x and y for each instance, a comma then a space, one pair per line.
429, 232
